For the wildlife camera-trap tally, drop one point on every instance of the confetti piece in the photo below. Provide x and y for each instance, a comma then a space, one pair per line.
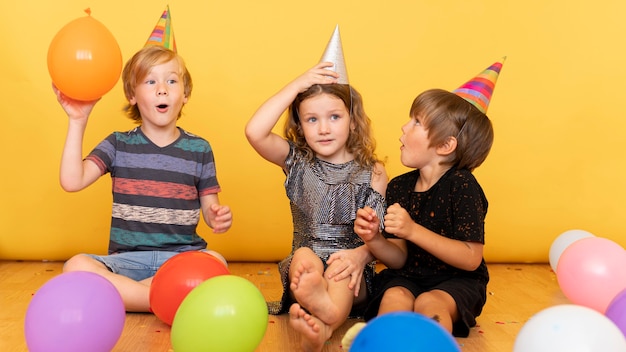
481, 332
491, 293
500, 322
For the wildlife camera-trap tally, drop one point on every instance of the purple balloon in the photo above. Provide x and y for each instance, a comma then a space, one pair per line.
75, 311
616, 311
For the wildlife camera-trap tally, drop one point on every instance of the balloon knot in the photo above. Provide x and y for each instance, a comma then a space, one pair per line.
88, 11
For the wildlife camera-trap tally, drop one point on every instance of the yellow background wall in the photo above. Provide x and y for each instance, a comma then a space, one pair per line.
557, 163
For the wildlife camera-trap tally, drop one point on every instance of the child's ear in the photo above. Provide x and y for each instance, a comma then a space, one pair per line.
447, 147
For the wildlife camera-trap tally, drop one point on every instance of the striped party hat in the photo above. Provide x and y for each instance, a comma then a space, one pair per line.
334, 54
163, 33
479, 89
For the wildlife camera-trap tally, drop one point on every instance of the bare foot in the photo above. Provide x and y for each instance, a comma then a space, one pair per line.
309, 289
313, 331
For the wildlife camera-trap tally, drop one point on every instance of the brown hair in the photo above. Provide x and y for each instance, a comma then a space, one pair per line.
360, 142
444, 115
138, 67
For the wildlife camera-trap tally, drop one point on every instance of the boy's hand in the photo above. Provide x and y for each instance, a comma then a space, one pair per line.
398, 221
222, 218
75, 109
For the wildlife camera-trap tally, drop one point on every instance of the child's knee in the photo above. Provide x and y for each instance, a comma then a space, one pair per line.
303, 252
79, 262
435, 302
397, 298
218, 256
398, 293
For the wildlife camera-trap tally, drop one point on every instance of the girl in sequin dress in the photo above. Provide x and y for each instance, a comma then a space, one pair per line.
331, 171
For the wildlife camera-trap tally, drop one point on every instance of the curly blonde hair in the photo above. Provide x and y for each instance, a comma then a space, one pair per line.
138, 67
360, 143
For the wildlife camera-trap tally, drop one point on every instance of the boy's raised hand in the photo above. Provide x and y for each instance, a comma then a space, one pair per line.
75, 109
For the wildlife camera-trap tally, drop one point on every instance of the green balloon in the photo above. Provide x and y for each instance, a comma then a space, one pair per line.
224, 313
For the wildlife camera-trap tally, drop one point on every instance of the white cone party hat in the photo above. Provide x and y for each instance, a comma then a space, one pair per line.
334, 54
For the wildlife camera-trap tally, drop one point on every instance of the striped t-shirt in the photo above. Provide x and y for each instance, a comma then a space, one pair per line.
156, 190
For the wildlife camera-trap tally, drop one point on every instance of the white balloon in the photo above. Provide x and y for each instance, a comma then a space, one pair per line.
570, 328
562, 242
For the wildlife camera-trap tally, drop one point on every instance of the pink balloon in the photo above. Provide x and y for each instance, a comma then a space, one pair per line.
591, 272
75, 312
616, 311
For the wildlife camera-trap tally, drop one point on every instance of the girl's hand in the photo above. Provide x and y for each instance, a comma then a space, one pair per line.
348, 263
398, 221
75, 109
366, 224
316, 75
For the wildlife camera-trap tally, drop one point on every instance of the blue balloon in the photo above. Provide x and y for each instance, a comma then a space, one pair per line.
406, 332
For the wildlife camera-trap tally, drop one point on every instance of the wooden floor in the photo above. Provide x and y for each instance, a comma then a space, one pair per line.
516, 292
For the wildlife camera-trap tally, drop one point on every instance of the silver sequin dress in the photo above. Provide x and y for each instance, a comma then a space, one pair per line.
324, 199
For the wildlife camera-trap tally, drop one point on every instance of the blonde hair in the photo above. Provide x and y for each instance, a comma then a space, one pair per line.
360, 143
444, 115
138, 67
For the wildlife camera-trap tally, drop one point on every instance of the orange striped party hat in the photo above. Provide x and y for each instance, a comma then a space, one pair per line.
479, 89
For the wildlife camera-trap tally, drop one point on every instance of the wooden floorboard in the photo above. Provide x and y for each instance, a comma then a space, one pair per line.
516, 292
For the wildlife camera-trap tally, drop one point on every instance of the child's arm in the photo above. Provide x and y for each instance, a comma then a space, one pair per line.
460, 254
270, 145
76, 173
390, 252
218, 217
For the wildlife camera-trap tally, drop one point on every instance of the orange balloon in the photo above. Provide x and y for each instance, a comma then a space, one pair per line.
178, 276
84, 59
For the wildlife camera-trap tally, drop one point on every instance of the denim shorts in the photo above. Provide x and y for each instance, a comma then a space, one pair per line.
137, 265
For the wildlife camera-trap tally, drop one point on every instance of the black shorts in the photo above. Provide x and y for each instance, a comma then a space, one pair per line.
469, 294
